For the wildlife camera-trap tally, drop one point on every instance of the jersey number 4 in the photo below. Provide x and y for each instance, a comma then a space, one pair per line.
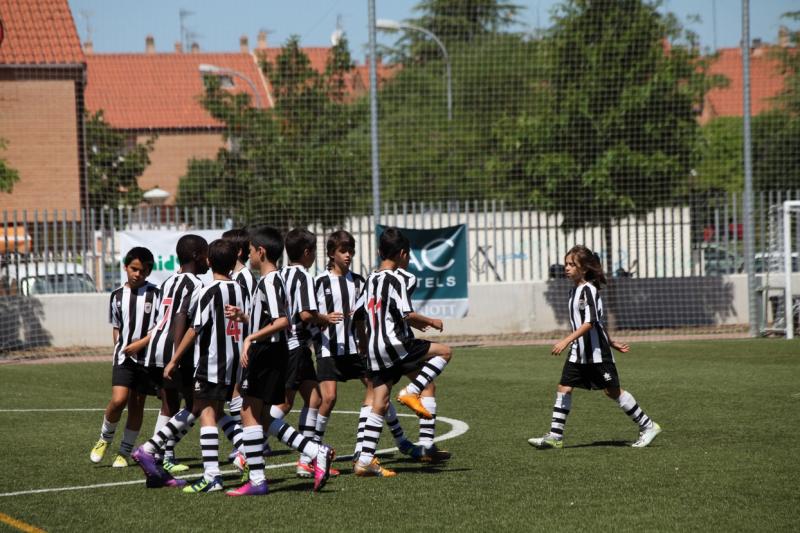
233, 329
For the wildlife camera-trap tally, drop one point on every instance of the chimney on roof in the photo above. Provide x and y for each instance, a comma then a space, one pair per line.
244, 45
195, 48
757, 47
784, 37
262, 40
88, 48
178, 47
149, 45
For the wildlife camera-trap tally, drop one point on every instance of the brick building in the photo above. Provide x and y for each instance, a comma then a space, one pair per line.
42, 80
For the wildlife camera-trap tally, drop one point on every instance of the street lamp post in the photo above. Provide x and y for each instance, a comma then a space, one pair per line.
205, 68
393, 25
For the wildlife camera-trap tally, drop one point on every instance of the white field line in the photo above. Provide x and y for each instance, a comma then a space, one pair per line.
457, 428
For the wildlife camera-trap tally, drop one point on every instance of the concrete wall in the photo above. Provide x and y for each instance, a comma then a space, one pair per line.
495, 309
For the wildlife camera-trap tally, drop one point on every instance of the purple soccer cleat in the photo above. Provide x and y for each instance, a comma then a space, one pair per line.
249, 489
322, 466
147, 462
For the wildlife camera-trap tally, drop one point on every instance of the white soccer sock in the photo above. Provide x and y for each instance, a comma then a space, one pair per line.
432, 368
252, 444
561, 409
307, 425
628, 404
107, 430
427, 428
235, 407
289, 436
362, 421
394, 425
322, 425
372, 433
128, 440
276, 412
209, 445
161, 421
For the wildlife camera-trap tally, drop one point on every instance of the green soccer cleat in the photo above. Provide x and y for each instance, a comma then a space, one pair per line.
204, 485
646, 436
172, 467
546, 442
120, 461
98, 451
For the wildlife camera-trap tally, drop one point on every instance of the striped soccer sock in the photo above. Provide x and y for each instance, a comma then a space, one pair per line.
362, 421
628, 404
252, 444
209, 446
174, 429
561, 410
235, 406
372, 433
107, 430
128, 440
307, 425
290, 437
322, 426
394, 425
432, 368
427, 428
232, 430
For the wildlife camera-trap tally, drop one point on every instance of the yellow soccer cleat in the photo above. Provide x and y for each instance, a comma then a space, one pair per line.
373, 469
98, 451
413, 402
119, 462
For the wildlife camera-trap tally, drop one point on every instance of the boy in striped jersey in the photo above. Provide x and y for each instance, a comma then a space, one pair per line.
590, 364
338, 357
178, 302
387, 314
265, 358
427, 426
245, 278
217, 345
132, 313
301, 247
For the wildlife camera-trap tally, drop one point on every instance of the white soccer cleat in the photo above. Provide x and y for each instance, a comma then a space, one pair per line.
646, 436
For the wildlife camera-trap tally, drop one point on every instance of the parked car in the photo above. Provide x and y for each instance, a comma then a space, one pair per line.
31, 278
718, 260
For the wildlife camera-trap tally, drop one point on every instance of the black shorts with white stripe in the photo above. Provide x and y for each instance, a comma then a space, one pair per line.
410, 364
300, 367
265, 375
591, 376
340, 367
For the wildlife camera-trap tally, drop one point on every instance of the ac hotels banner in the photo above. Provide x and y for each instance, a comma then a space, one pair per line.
439, 261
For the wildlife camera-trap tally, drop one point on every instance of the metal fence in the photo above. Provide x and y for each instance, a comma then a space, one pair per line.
63, 252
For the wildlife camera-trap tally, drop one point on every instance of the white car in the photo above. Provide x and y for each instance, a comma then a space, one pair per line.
30, 278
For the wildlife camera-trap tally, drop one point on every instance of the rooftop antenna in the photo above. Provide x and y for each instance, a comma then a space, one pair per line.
86, 15
183, 14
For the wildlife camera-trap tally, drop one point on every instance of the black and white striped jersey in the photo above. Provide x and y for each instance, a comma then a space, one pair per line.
178, 294
586, 306
219, 340
269, 303
384, 304
245, 278
133, 313
410, 280
300, 294
338, 293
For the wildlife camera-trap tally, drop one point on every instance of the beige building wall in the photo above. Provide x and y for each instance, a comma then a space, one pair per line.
170, 157
38, 119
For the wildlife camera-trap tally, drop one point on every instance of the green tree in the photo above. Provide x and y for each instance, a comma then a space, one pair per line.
720, 166
115, 164
615, 129
285, 165
8, 175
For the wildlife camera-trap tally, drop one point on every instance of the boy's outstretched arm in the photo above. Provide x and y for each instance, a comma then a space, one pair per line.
423, 322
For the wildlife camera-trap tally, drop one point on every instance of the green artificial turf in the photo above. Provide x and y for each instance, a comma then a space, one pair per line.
727, 459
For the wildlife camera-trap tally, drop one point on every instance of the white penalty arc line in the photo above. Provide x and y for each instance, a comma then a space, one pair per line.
457, 428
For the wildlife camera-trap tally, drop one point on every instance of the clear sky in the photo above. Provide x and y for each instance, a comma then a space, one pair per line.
121, 26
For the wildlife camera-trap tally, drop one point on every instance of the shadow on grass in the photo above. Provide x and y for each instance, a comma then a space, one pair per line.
601, 443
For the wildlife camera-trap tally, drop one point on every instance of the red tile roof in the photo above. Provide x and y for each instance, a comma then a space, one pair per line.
39, 32
161, 91
766, 82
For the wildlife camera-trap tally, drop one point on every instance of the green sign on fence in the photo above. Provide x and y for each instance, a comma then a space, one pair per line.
439, 261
